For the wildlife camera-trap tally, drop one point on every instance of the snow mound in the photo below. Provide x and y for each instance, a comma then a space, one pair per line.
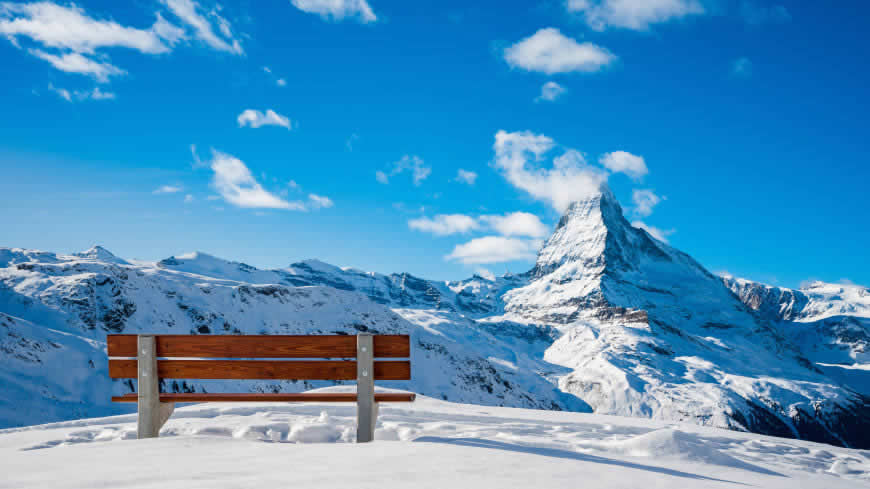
672, 443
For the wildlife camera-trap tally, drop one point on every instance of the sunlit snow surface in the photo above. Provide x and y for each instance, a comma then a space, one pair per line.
429, 443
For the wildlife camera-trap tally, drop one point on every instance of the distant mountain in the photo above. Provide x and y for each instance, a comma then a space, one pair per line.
608, 319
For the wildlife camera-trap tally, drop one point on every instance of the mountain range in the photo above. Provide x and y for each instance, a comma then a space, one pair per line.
609, 320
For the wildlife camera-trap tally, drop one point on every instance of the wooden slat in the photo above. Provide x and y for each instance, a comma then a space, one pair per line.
280, 397
261, 346
261, 369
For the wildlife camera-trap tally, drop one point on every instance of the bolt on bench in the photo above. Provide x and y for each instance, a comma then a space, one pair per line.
194, 358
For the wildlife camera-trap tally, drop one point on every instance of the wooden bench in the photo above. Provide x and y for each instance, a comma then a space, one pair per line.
149, 358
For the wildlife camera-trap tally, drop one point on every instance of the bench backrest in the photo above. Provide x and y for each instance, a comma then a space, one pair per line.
195, 357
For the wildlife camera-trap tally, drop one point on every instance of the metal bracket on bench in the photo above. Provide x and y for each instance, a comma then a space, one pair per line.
366, 407
152, 413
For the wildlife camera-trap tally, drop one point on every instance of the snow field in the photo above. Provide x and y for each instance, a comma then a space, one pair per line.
429, 443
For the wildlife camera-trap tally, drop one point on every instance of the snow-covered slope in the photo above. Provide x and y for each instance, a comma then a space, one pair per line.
58, 309
609, 319
429, 443
830, 323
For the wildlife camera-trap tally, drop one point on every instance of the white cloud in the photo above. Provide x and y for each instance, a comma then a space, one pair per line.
644, 201
444, 224
319, 201
511, 224
267, 69
549, 51
623, 162
255, 119
72, 41
78, 96
234, 182
167, 31
190, 12
69, 28
570, 178
550, 92
188, 199
168, 189
77, 63
411, 163
517, 224
741, 67
495, 249
97, 94
353, 138
659, 234
338, 9
281, 82
61, 92
637, 15
466, 176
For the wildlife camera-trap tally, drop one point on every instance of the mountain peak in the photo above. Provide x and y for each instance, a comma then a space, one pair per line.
582, 232
99, 253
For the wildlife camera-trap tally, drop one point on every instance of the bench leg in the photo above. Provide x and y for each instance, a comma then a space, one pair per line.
149, 389
366, 407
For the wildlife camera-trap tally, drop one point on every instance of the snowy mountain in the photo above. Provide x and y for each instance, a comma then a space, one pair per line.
608, 319
429, 443
829, 322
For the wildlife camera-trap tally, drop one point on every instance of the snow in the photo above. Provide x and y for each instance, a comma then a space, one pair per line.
428, 443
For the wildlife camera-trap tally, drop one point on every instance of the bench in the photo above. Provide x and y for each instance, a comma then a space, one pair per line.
149, 358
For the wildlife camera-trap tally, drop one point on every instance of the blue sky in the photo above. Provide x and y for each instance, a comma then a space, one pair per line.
738, 127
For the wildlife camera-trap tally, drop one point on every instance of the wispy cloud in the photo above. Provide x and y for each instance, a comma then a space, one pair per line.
411, 163
466, 176
550, 91
755, 14
234, 182
510, 224
255, 118
548, 51
69, 28
203, 24
445, 224
74, 42
636, 15
337, 10
644, 201
78, 63
236, 185
624, 162
168, 189
81, 95
517, 224
319, 201
741, 67
351, 140
659, 234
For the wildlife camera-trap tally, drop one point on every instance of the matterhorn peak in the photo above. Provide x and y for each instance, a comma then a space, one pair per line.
587, 228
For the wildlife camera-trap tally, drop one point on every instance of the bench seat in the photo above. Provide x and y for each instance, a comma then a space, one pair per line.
365, 357
270, 397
